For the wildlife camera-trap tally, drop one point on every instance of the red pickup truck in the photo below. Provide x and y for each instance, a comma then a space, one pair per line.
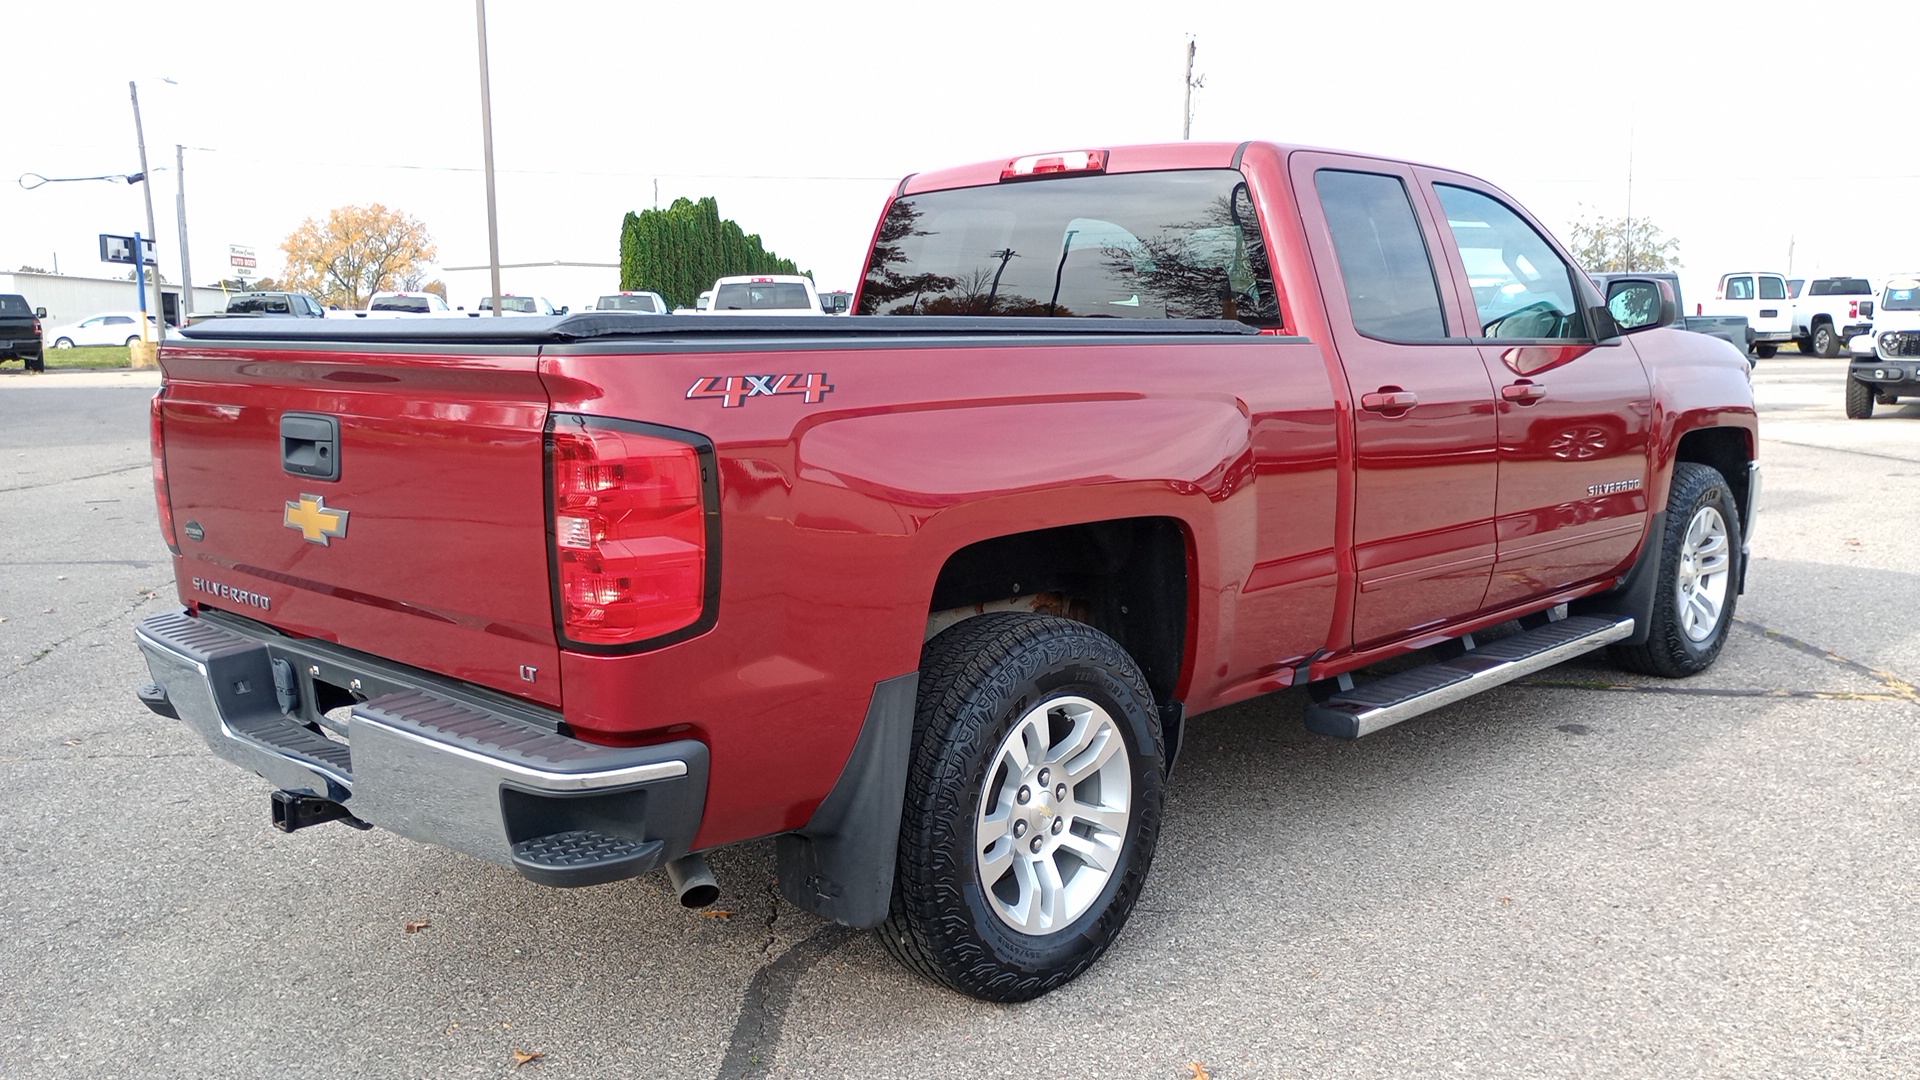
929, 593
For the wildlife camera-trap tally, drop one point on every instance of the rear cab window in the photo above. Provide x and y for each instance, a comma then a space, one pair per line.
14, 305
761, 296
1841, 287
1178, 244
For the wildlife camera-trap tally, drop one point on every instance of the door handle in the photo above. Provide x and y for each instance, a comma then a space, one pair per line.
1523, 392
1389, 399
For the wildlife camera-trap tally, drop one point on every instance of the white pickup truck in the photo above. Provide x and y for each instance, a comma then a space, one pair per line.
400, 305
1827, 313
765, 294
521, 305
1760, 296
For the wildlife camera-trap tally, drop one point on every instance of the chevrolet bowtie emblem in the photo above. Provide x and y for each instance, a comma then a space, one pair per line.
314, 520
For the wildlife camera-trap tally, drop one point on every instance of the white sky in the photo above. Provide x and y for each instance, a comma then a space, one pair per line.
1752, 127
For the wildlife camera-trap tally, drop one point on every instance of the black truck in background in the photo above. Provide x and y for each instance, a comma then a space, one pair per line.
1732, 329
20, 332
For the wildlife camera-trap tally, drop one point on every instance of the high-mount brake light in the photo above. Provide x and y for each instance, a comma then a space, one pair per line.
758, 279
629, 533
1066, 161
157, 442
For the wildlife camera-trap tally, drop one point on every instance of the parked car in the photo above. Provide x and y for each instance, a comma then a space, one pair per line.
1731, 329
520, 305
639, 303
106, 328
400, 305
20, 332
765, 294
1762, 298
1828, 314
1891, 370
931, 598
265, 305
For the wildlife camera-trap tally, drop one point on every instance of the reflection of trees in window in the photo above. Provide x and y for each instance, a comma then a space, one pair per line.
1212, 268
886, 284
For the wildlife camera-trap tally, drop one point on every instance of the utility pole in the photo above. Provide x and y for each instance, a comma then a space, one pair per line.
1628, 239
1186, 127
180, 210
486, 139
146, 181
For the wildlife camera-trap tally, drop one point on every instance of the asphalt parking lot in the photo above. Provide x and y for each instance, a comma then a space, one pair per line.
1585, 874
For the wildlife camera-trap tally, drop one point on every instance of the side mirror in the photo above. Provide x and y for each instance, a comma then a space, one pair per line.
1641, 304
39, 313
1866, 309
564, 309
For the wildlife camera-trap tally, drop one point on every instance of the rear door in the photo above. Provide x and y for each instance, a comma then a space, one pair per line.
427, 543
1425, 433
1773, 311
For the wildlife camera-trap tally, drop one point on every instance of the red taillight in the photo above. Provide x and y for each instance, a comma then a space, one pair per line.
158, 444
1070, 161
629, 533
1853, 309
1699, 309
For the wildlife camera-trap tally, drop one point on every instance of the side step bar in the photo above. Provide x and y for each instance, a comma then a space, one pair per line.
1366, 709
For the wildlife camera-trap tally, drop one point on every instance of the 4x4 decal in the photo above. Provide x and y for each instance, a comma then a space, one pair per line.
735, 389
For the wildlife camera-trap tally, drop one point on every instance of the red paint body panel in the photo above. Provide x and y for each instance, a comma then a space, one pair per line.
1317, 532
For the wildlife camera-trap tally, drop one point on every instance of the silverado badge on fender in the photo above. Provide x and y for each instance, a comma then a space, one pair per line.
316, 520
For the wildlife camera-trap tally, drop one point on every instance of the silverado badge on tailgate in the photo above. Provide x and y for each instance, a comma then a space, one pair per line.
315, 520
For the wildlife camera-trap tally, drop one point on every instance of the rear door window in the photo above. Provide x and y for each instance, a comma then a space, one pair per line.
1773, 288
1392, 292
1521, 288
1179, 244
1740, 288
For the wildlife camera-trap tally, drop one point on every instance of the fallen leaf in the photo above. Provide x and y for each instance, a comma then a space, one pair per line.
718, 914
1506, 901
520, 1058
1199, 1071
71, 742
1853, 541
416, 927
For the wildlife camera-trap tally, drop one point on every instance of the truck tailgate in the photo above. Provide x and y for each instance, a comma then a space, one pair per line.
429, 548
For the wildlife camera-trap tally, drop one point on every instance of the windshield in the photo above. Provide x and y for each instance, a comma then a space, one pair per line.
523, 305
1840, 286
14, 305
1161, 245
761, 296
627, 303
1904, 296
400, 303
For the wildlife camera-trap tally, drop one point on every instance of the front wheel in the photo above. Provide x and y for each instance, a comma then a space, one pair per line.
1765, 352
1698, 579
1033, 806
1859, 399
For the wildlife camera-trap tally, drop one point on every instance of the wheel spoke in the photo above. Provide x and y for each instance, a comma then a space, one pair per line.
1095, 854
1076, 738
1705, 611
1103, 745
1047, 877
995, 860
1024, 912
1108, 820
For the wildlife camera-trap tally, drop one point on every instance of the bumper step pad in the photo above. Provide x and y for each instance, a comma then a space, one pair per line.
584, 857
1385, 702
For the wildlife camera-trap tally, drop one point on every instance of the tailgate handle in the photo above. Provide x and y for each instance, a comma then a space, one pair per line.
310, 445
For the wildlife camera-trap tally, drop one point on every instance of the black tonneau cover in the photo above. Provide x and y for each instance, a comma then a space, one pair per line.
592, 326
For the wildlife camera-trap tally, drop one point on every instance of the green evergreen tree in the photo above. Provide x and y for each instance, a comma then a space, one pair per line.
679, 252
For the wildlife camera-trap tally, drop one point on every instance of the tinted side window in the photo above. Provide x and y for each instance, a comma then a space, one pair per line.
1391, 288
1521, 289
1772, 288
1740, 288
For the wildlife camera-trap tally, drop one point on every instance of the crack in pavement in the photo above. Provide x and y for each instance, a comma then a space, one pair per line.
146, 595
72, 479
1897, 688
763, 1008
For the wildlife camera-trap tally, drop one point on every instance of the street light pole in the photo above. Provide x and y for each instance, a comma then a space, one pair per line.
486, 139
180, 209
146, 181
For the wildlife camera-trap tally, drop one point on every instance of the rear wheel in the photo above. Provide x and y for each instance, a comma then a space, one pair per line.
63, 343
1699, 574
36, 363
1859, 399
1826, 343
1765, 352
130, 341
1033, 806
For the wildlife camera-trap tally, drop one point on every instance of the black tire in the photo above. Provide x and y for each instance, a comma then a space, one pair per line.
37, 363
1826, 343
63, 343
1803, 345
1887, 399
980, 680
1859, 399
130, 341
1669, 650
1765, 352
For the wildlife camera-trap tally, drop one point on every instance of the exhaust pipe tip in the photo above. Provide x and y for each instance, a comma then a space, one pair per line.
693, 880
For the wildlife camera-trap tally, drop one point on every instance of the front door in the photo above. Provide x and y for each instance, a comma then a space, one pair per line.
1423, 414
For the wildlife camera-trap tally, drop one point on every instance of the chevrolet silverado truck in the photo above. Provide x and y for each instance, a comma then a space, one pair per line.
1883, 364
929, 594
1827, 314
20, 332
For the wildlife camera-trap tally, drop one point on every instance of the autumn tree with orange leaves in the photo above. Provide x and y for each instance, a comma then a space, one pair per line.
358, 251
